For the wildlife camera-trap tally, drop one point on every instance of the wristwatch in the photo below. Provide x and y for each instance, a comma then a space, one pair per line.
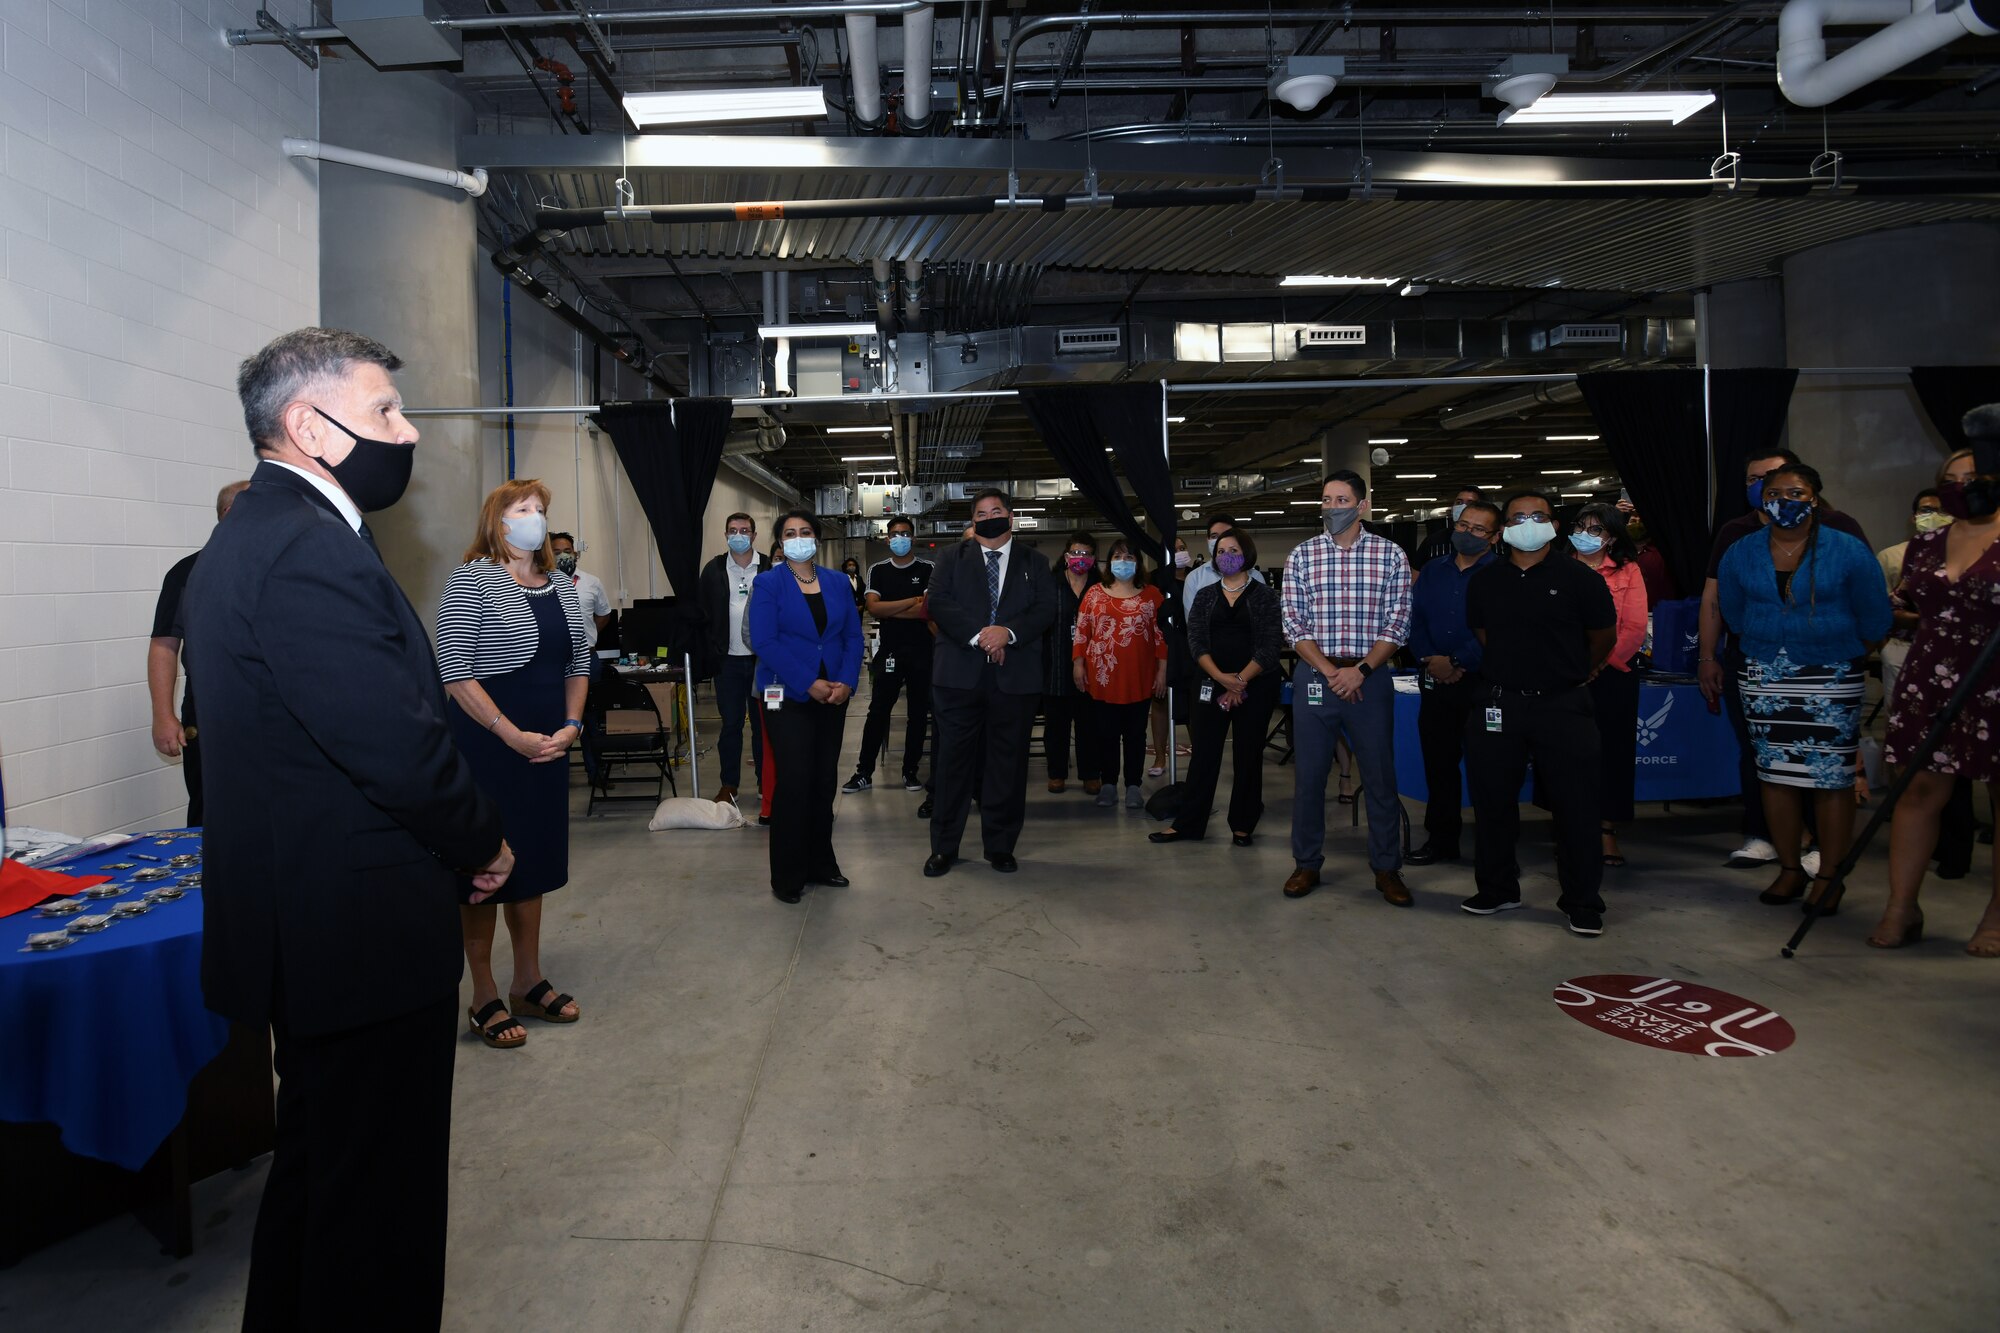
1365, 670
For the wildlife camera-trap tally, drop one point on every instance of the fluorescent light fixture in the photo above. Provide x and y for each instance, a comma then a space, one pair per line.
1416, 476
1606, 108
1309, 460
859, 430
1024, 509
702, 106
1420, 499
1175, 421
857, 329
1275, 513
868, 458
1392, 439
1563, 439
1496, 455
1578, 495
1562, 471
1313, 503
1337, 280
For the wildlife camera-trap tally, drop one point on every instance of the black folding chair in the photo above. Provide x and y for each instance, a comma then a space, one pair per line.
623, 730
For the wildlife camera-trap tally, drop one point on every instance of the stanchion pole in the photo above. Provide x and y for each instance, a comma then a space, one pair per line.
694, 769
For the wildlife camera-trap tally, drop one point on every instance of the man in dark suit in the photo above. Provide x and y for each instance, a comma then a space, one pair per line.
341, 824
993, 602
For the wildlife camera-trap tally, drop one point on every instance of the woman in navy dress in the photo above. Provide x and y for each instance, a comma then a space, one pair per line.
515, 658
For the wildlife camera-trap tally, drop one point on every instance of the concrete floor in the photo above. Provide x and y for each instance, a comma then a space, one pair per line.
1135, 1088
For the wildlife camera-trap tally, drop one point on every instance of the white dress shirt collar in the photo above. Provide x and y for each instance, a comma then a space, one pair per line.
335, 496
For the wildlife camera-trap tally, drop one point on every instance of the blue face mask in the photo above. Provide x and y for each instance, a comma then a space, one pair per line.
899, 546
1788, 513
801, 549
1586, 543
739, 542
1755, 493
1124, 569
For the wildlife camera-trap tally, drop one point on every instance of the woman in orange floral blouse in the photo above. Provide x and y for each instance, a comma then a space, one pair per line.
1119, 658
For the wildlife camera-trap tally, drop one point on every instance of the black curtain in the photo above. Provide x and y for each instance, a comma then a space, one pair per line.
1746, 419
1949, 392
670, 449
1079, 421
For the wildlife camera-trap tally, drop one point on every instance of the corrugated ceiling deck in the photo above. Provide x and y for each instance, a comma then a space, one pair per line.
1638, 245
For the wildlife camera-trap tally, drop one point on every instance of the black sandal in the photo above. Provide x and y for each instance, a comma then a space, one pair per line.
1170, 835
488, 1024
1772, 898
542, 1001
1611, 859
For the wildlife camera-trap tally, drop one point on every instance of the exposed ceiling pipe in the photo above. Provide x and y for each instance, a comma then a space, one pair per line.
916, 114
864, 66
513, 260
885, 294
913, 293
781, 355
473, 182
1546, 395
1915, 28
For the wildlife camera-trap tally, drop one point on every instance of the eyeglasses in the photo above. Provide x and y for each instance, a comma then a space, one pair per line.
1526, 516
1473, 529
1597, 529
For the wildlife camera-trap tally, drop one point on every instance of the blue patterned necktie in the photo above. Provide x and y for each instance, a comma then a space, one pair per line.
992, 587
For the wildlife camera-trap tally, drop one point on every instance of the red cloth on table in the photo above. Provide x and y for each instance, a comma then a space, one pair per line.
21, 887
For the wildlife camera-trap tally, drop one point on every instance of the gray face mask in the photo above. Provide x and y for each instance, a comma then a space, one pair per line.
1338, 521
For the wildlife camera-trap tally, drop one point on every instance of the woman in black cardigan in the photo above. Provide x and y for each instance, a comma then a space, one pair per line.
1235, 634
1064, 706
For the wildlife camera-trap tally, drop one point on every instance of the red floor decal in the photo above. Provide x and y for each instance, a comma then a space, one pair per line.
1675, 1015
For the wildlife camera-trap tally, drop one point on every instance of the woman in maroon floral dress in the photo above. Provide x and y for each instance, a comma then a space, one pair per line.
1951, 579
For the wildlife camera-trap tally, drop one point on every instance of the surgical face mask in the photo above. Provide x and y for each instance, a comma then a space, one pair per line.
1457, 511
739, 543
566, 561
1229, 563
1586, 543
1470, 543
1529, 536
1930, 520
526, 532
375, 473
801, 549
899, 545
1788, 513
1182, 560
1080, 564
1124, 569
1337, 521
993, 528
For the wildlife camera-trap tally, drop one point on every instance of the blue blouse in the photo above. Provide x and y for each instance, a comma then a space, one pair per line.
1837, 606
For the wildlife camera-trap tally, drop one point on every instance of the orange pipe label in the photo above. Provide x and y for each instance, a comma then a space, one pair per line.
760, 212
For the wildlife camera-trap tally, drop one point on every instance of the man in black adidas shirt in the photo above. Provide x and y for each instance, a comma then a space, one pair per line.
895, 597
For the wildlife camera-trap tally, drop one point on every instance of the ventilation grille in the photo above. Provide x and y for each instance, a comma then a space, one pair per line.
1333, 335
1585, 333
1070, 341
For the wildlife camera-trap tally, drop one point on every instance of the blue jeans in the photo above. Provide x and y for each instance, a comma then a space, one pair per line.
734, 680
1370, 725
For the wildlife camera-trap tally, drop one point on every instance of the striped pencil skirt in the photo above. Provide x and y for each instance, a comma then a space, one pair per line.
1805, 721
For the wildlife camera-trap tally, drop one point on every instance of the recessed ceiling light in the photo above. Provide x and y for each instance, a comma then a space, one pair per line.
1496, 455
868, 458
1337, 280
856, 329
700, 106
1606, 108
1560, 439
1391, 439
1416, 476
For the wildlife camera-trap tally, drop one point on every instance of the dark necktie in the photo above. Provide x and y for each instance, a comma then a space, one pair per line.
992, 587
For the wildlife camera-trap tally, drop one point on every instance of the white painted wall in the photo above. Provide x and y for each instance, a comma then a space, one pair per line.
154, 235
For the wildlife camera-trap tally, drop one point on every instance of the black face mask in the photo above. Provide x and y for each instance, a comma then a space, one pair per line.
375, 473
990, 528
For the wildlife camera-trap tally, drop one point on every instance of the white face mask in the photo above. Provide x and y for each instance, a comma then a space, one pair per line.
527, 532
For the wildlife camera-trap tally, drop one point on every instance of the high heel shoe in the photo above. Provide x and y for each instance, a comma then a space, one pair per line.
1818, 899
1913, 933
1771, 897
1346, 796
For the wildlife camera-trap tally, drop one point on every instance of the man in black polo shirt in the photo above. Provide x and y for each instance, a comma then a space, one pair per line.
1547, 623
895, 597
174, 734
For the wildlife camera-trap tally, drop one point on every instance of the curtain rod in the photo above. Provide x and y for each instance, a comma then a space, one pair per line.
1197, 386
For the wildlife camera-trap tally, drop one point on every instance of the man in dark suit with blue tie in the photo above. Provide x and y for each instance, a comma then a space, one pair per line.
993, 602
342, 824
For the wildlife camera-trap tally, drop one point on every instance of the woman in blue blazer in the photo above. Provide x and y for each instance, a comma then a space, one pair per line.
807, 637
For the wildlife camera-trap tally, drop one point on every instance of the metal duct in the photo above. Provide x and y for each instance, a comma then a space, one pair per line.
864, 67
885, 294
1915, 29
1547, 395
913, 293
916, 117
767, 437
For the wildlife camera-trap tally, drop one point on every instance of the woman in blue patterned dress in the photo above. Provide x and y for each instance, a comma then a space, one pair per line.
1807, 604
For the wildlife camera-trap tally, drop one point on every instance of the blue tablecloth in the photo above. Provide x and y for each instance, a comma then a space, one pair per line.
1685, 752
102, 1038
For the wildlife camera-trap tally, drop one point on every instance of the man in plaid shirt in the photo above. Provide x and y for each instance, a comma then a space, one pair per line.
1346, 597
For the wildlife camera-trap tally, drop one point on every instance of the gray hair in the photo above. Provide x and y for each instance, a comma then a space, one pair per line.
291, 366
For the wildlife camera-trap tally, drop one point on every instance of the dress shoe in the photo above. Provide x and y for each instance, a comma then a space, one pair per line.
1430, 854
1302, 882
1091, 785
786, 897
1058, 785
939, 864
1390, 884
1004, 863
726, 796
924, 810
833, 880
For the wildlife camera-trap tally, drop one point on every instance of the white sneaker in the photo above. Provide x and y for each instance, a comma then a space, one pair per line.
1810, 862
1753, 852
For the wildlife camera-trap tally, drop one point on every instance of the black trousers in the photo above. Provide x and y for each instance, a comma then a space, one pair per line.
966, 720
912, 676
1614, 699
1208, 727
191, 774
1559, 733
1441, 714
1063, 714
735, 688
351, 1232
805, 745
1121, 728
